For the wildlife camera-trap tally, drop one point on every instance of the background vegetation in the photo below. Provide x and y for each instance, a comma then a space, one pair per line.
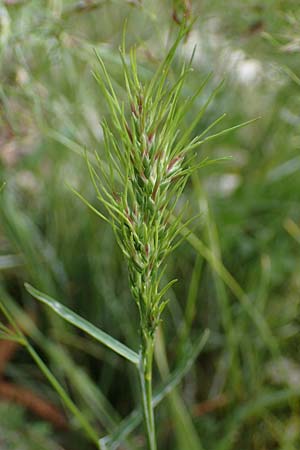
238, 274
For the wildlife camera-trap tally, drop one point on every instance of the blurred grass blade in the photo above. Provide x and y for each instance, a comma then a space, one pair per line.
62, 393
27, 240
84, 325
266, 401
21, 338
134, 419
229, 325
10, 262
183, 367
185, 432
217, 265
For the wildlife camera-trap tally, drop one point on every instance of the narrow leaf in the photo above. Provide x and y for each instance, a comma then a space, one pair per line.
84, 325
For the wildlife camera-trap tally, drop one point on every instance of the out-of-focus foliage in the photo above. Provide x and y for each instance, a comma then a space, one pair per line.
243, 392
37, 436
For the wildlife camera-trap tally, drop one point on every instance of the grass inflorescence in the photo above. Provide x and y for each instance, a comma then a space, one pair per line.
149, 152
148, 163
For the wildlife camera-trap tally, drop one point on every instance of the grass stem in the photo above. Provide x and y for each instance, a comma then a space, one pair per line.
145, 372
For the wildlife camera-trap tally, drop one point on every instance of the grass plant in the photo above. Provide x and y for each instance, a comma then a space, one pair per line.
139, 184
237, 265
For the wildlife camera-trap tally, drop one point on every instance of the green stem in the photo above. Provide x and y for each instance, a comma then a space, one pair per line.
145, 372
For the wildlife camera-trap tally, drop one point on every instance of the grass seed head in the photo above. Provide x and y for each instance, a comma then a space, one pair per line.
149, 164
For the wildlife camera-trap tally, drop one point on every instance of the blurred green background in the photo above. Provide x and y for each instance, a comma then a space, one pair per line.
241, 278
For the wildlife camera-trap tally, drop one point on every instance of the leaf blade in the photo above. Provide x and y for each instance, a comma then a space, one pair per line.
84, 325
